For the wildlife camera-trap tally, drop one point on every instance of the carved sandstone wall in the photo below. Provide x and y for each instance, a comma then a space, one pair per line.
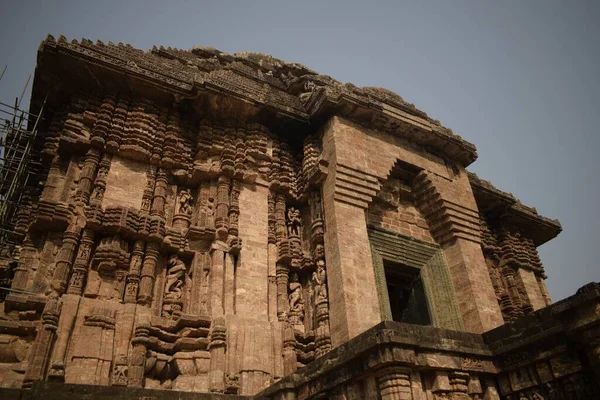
207, 222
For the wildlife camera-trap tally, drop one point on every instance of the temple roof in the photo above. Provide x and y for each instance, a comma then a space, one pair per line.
262, 88
261, 83
497, 204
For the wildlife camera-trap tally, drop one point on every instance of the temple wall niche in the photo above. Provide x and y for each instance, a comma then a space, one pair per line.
125, 183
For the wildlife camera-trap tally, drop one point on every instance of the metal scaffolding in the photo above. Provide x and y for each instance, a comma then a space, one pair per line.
18, 166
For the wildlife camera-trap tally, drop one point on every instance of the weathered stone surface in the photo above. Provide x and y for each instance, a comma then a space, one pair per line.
217, 226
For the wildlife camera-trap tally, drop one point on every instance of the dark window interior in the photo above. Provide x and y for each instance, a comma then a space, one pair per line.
407, 295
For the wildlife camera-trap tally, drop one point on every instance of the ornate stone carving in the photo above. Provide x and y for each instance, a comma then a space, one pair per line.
293, 222
175, 278
296, 299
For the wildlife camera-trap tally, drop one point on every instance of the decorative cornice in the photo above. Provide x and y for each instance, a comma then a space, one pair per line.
498, 205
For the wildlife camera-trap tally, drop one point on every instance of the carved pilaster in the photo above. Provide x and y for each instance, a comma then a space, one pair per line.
118, 126
82, 261
160, 192
27, 256
234, 209
290, 359
40, 353
137, 359
100, 182
218, 343
86, 176
280, 228
70, 304
394, 383
222, 220
283, 305
64, 259
272, 218
148, 190
147, 275
102, 125
135, 268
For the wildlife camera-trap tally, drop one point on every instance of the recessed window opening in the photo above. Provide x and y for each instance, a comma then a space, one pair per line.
408, 302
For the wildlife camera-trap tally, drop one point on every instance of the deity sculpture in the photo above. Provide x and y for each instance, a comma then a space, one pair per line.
175, 278
184, 202
320, 279
293, 222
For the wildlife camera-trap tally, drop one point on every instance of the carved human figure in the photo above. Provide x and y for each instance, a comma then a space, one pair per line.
98, 193
293, 222
84, 251
145, 204
295, 297
317, 210
175, 278
184, 202
136, 263
320, 279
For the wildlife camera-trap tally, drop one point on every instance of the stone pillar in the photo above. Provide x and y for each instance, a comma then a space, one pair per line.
82, 261
27, 257
137, 359
135, 268
52, 185
40, 351
283, 304
218, 343
217, 275
146, 289
394, 383
86, 177
160, 193
64, 258
70, 306
222, 211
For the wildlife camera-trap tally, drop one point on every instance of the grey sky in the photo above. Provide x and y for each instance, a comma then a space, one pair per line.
516, 78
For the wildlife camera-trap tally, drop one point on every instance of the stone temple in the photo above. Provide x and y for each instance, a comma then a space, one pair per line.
206, 225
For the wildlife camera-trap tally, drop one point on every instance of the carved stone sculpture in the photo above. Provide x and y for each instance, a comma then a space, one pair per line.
294, 222
175, 278
320, 279
184, 202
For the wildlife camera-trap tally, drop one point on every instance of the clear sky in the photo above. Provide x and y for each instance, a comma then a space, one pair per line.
519, 79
